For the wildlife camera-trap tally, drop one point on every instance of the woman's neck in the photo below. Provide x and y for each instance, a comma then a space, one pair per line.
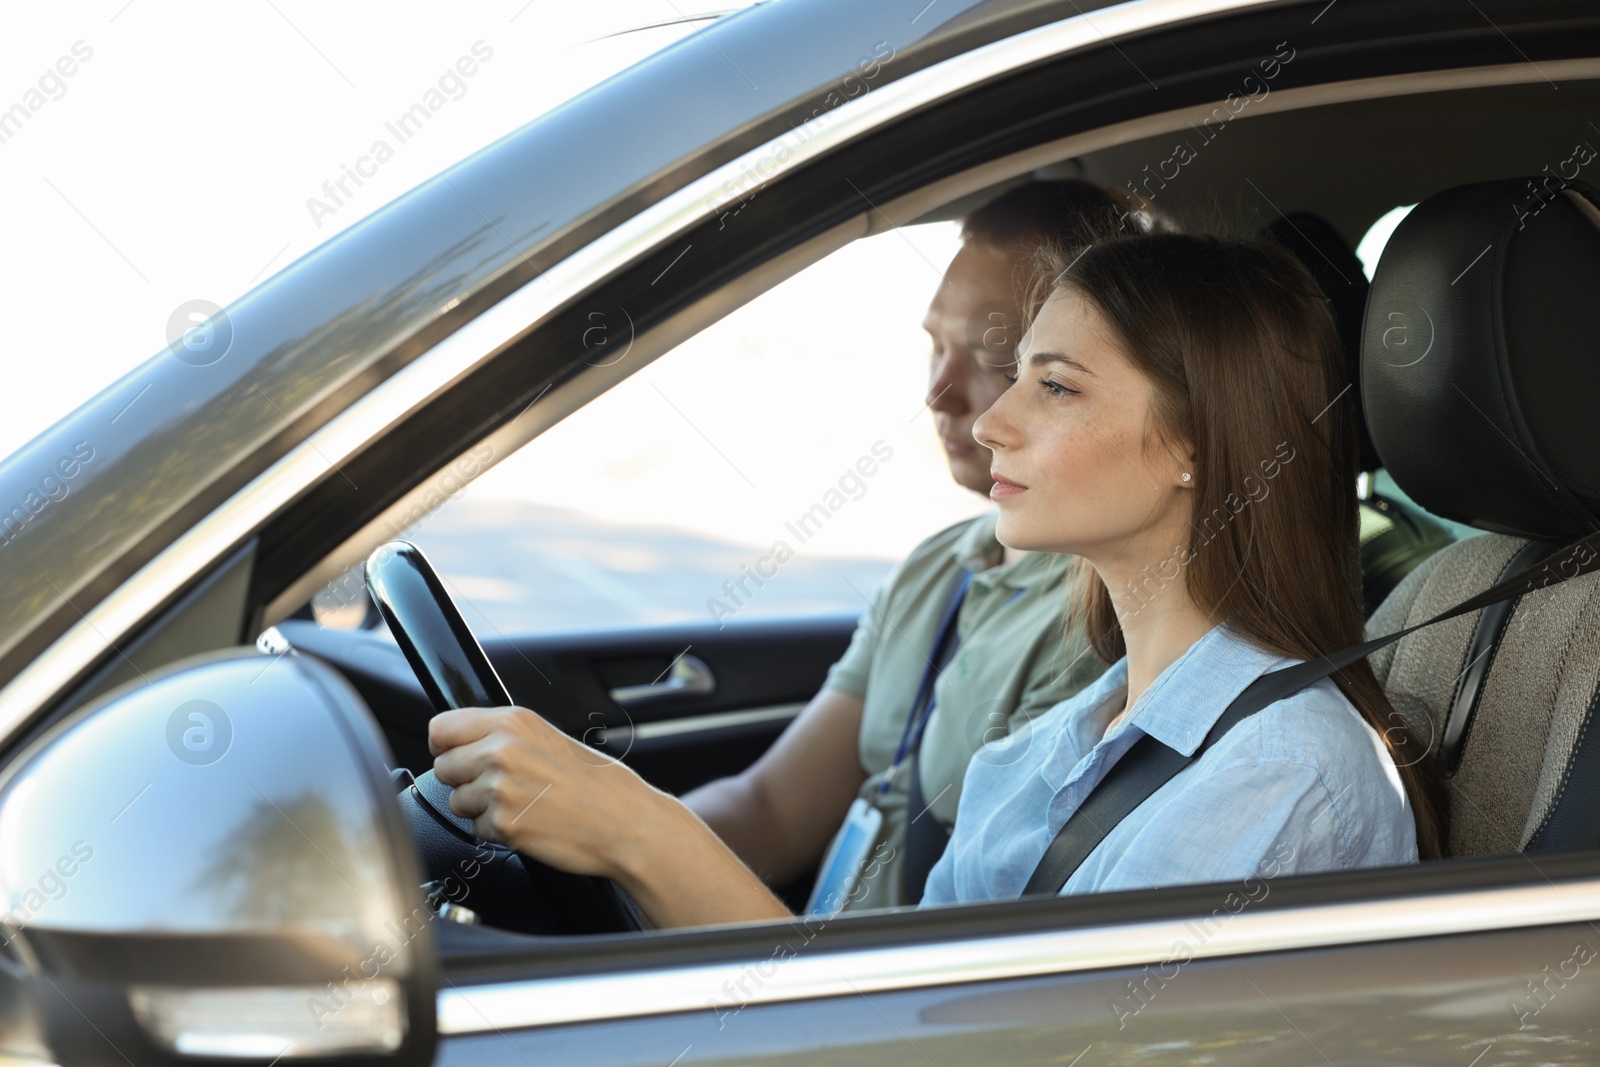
1157, 628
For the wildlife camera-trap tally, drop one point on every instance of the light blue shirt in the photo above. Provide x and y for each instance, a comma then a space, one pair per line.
1302, 785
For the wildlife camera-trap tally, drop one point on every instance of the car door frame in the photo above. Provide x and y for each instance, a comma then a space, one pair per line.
1508, 920
964, 949
507, 374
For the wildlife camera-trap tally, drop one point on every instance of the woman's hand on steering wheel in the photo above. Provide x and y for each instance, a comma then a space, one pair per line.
528, 786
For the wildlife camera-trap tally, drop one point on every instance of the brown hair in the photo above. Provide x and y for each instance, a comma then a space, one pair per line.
1027, 218
1247, 372
1069, 211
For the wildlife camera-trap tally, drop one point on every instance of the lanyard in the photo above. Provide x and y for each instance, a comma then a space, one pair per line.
922, 706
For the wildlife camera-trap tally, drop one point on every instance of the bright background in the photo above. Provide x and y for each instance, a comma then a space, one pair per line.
177, 165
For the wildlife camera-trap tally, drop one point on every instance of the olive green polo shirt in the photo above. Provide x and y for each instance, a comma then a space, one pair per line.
1012, 664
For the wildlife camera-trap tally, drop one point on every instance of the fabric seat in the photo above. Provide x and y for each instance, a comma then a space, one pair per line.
1480, 374
1394, 538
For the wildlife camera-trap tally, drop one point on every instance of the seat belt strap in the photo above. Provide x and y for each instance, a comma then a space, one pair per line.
1148, 764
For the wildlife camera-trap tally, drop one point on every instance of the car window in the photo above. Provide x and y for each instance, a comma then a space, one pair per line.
669, 497
691, 491
1383, 484
1370, 248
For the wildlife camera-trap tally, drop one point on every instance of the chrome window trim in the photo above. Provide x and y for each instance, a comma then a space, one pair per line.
801, 976
478, 340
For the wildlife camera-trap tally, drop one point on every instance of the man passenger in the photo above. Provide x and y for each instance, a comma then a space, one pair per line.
1009, 658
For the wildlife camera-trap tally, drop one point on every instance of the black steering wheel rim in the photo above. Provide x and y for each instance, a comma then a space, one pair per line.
505, 889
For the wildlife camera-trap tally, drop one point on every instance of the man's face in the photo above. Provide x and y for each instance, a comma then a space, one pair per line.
1075, 433
973, 324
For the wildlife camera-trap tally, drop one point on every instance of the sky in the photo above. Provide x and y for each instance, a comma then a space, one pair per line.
176, 152
175, 161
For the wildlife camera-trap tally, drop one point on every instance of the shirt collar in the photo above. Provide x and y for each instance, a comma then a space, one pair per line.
1178, 709
977, 545
1186, 700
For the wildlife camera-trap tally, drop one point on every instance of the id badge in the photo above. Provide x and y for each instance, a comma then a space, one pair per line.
841, 867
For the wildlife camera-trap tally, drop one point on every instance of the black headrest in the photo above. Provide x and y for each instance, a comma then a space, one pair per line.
1480, 362
1337, 269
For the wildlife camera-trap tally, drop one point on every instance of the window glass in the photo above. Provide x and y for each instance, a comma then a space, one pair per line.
1383, 484
1370, 247
657, 501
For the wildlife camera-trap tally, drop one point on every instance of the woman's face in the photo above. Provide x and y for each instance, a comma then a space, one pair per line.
1072, 429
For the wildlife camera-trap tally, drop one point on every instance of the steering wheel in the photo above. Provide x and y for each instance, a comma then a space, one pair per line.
504, 888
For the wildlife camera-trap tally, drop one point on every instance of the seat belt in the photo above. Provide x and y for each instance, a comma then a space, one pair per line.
1148, 764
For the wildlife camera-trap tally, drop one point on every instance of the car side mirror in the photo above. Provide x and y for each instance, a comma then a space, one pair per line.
209, 864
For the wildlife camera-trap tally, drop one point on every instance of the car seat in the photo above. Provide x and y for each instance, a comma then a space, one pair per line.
1480, 375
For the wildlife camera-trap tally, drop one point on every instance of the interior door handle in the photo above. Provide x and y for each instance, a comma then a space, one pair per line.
689, 677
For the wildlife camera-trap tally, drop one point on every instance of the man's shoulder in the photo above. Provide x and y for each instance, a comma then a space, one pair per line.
930, 561
979, 528
934, 557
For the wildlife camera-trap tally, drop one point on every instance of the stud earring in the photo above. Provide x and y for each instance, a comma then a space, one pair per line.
1185, 475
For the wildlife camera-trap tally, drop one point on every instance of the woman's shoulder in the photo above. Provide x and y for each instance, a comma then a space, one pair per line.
1317, 727
1317, 758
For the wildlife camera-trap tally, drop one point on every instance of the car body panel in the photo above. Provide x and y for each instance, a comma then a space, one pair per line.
1099, 969
762, 672
1442, 1003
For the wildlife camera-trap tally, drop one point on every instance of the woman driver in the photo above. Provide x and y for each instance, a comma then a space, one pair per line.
1176, 423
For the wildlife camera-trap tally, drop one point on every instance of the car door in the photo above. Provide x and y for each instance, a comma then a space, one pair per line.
681, 704
1436, 964
1456, 962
